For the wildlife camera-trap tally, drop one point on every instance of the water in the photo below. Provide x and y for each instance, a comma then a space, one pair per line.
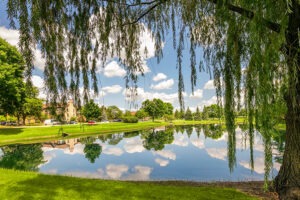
200, 153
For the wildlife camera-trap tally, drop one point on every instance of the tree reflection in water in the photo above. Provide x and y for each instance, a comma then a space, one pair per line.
157, 139
92, 151
22, 157
30, 157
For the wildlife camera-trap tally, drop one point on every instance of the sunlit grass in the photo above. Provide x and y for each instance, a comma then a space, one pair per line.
30, 185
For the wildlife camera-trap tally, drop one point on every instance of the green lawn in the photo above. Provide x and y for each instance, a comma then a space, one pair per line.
30, 185
14, 135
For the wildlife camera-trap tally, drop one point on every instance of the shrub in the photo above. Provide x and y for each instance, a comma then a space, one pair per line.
130, 119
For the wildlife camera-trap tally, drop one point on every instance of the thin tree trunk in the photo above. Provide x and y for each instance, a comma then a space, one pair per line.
287, 182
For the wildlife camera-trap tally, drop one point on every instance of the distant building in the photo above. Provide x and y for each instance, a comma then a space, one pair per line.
69, 111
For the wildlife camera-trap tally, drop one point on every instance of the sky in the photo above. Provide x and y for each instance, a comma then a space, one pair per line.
160, 80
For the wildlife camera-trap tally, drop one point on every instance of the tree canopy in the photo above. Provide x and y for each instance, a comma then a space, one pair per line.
249, 46
12, 87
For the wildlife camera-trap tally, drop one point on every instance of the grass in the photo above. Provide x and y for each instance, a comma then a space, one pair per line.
31, 185
14, 135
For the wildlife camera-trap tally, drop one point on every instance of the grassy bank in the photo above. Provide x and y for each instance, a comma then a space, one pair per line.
13, 135
30, 185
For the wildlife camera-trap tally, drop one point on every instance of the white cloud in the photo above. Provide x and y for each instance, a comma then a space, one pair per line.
113, 151
219, 153
212, 100
180, 141
37, 81
159, 77
116, 171
198, 94
12, 37
113, 69
141, 95
166, 154
259, 165
197, 142
209, 85
141, 173
161, 162
112, 89
163, 85
145, 69
39, 61
134, 145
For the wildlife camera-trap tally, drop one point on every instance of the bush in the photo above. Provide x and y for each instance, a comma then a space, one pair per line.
130, 119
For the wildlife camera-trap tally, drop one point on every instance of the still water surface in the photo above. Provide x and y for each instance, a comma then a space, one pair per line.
199, 153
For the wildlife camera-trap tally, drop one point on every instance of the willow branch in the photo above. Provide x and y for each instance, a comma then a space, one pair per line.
250, 15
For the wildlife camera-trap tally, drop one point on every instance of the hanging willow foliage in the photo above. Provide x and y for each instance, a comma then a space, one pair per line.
250, 47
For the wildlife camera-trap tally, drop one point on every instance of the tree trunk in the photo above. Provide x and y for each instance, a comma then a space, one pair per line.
24, 118
287, 182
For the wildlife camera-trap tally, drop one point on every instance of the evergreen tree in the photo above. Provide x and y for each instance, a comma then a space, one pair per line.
188, 114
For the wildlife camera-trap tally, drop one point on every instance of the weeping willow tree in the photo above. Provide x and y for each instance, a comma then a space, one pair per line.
250, 48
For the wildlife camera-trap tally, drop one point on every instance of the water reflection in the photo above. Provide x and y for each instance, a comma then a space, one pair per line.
202, 153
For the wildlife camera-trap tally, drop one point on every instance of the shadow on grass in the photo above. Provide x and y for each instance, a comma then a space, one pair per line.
10, 131
60, 187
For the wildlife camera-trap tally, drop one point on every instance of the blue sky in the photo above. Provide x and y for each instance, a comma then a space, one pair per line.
159, 81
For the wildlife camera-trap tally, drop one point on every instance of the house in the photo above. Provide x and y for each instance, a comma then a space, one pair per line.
69, 110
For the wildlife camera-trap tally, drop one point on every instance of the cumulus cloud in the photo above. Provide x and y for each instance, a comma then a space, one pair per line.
166, 154
163, 85
141, 95
161, 162
197, 142
112, 89
12, 37
159, 77
113, 69
219, 153
116, 171
198, 94
180, 141
113, 151
209, 85
38, 82
259, 165
134, 145
212, 100
141, 173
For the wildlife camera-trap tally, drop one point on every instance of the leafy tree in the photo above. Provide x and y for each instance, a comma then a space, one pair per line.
213, 111
188, 114
154, 108
91, 110
103, 114
205, 113
22, 157
12, 86
141, 114
261, 35
32, 106
113, 112
197, 115
168, 108
176, 114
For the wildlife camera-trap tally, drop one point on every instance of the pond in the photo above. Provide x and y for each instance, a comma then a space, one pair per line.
194, 153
